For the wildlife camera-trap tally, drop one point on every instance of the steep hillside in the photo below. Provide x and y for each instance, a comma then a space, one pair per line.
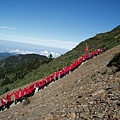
109, 40
91, 92
14, 68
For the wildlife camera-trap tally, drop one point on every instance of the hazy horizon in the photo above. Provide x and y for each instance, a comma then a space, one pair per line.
24, 48
59, 25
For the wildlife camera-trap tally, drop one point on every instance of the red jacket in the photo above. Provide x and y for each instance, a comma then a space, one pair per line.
42, 83
37, 84
8, 97
61, 72
22, 93
67, 69
3, 101
48, 79
57, 74
72, 66
101, 50
52, 77
80, 60
16, 93
93, 53
30, 89
32, 86
96, 52
26, 90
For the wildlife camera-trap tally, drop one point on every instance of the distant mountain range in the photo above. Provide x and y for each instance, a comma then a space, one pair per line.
5, 55
13, 60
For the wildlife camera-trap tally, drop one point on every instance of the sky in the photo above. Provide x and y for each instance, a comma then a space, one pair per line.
56, 26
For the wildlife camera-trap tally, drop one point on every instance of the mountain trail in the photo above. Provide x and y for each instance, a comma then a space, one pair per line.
90, 92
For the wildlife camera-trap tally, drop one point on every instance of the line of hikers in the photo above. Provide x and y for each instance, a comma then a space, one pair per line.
21, 94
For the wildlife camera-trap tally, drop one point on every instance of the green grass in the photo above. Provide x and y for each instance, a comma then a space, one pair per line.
108, 40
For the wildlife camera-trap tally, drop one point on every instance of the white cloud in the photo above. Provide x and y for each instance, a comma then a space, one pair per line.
5, 27
21, 51
37, 41
45, 53
54, 54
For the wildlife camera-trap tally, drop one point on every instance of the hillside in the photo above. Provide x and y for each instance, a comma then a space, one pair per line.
5, 55
109, 40
91, 92
16, 60
14, 68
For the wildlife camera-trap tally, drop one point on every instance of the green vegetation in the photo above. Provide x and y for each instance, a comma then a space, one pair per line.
14, 69
5, 55
115, 61
35, 70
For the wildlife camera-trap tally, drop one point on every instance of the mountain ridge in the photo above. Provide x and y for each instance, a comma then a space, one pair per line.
90, 92
21, 58
109, 40
4, 55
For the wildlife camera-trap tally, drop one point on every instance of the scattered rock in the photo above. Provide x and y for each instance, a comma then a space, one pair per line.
91, 92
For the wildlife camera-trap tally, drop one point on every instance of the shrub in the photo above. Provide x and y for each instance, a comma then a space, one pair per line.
115, 61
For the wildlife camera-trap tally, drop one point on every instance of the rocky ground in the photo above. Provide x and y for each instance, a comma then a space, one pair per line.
91, 92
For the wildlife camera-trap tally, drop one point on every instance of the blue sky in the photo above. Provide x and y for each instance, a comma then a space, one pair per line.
61, 24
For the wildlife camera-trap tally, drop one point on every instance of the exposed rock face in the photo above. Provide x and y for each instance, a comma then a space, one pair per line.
91, 92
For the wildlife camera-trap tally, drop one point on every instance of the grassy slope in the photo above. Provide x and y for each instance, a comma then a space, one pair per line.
108, 40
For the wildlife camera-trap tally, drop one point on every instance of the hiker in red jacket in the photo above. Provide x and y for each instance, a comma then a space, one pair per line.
66, 70
9, 102
69, 68
84, 58
30, 90
42, 83
48, 79
80, 60
93, 54
96, 52
0, 104
52, 77
77, 63
32, 87
72, 67
3, 103
101, 50
61, 72
22, 93
56, 75
26, 90
37, 86
16, 94
89, 56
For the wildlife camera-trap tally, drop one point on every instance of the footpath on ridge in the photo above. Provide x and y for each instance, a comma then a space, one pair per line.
91, 92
